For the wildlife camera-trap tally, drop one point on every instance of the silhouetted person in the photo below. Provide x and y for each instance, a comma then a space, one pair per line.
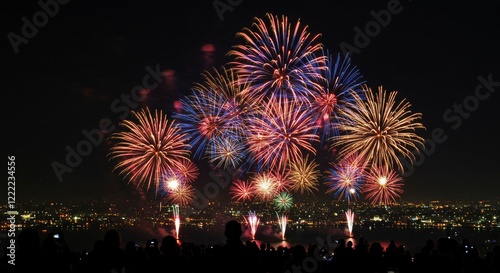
29, 254
376, 257
390, 248
448, 258
427, 248
234, 256
339, 250
56, 252
136, 259
198, 258
349, 250
113, 250
346, 262
493, 264
152, 250
107, 254
171, 259
296, 261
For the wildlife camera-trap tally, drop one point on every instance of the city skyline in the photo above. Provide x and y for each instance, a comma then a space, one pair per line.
67, 79
147, 219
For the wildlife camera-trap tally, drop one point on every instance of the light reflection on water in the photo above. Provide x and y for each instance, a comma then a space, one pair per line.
413, 239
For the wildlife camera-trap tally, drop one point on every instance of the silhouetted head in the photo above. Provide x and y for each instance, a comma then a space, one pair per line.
112, 238
299, 252
376, 249
49, 244
169, 245
130, 247
233, 230
262, 246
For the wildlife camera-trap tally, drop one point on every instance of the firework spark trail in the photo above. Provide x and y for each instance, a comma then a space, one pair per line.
253, 223
177, 220
188, 171
282, 220
350, 220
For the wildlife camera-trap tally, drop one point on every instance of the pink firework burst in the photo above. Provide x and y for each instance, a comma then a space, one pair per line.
383, 186
241, 190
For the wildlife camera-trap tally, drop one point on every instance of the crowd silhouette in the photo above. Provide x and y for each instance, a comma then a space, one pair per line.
111, 254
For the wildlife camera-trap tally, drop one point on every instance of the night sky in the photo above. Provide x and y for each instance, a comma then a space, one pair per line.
64, 79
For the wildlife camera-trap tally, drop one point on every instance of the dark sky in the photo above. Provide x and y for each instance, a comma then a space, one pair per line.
66, 75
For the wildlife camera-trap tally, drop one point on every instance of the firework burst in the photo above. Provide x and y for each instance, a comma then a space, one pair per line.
304, 174
337, 81
264, 186
382, 130
283, 201
281, 134
282, 178
383, 186
179, 192
187, 171
235, 100
148, 148
202, 118
241, 190
345, 179
278, 58
227, 152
